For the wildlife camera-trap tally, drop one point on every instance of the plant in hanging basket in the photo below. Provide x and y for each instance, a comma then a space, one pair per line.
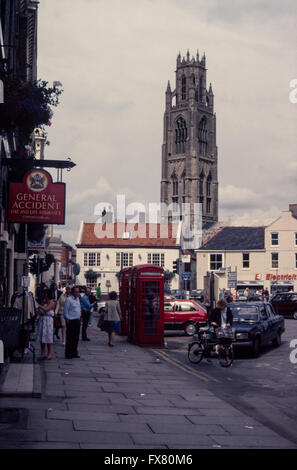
27, 105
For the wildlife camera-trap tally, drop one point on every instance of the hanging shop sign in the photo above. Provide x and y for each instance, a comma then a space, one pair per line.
37, 199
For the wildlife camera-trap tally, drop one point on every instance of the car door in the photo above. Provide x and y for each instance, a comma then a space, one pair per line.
272, 323
183, 313
169, 315
265, 327
293, 305
278, 303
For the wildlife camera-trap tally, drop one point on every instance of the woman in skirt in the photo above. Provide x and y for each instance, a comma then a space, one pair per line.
45, 326
112, 317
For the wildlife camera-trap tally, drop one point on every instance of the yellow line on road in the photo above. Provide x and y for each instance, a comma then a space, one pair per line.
185, 368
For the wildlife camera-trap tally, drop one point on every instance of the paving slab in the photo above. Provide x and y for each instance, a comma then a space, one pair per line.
90, 437
106, 426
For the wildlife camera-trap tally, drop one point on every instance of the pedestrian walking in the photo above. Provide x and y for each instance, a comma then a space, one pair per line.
72, 315
266, 294
112, 317
86, 308
246, 292
45, 325
59, 312
98, 292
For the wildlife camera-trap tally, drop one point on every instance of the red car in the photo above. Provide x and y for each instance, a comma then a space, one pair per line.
183, 315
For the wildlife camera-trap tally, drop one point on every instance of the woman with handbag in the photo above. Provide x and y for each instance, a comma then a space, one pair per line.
59, 320
112, 317
45, 325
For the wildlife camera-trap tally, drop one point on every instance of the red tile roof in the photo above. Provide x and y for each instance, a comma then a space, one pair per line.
142, 235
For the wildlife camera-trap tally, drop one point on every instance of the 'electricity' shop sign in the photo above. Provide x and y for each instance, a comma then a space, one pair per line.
37, 199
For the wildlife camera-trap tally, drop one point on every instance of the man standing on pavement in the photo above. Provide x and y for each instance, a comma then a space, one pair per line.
72, 315
86, 308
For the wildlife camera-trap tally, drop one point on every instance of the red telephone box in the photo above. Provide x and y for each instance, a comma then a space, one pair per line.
146, 312
125, 299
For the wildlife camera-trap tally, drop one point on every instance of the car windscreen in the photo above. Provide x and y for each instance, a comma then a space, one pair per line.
245, 314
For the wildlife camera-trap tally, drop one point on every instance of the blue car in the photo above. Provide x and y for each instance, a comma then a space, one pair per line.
256, 324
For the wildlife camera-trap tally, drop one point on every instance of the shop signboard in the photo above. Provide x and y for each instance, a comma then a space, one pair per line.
37, 199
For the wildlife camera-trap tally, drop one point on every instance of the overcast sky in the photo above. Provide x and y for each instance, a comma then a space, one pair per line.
114, 58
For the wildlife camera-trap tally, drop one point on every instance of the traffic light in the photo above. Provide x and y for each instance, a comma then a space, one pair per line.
176, 266
33, 265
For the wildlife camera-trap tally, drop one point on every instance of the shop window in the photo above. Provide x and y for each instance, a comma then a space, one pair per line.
245, 260
216, 261
274, 260
274, 239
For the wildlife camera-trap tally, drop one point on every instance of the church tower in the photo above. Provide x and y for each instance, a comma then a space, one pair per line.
189, 151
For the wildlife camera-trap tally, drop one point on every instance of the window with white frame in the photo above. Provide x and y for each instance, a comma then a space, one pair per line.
85, 259
274, 238
162, 260
92, 259
215, 261
296, 260
245, 260
149, 258
98, 259
296, 239
274, 260
118, 259
125, 260
156, 259
130, 259
92, 282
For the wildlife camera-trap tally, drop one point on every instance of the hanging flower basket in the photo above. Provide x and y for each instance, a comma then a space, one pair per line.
91, 273
26, 106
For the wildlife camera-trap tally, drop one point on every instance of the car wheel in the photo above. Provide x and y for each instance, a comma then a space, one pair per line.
190, 329
295, 315
277, 340
256, 347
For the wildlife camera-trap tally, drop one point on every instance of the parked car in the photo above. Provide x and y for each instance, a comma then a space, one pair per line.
183, 315
177, 293
197, 295
285, 304
256, 324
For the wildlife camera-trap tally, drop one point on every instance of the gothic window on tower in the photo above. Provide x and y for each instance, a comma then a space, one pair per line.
181, 134
184, 88
193, 79
197, 95
200, 188
200, 90
174, 190
208, 185
208, 205
202, 136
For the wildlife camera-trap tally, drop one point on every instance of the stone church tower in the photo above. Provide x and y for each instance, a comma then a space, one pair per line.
189, 151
